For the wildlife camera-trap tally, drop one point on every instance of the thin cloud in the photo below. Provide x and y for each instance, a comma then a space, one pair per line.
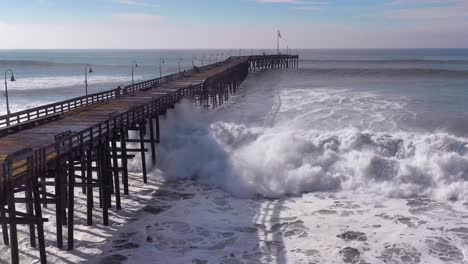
413, 2
138, 18
307, 8
134, 3
295, 2
433, 10
429, 13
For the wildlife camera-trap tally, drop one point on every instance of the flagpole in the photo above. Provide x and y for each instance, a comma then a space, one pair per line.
277, 42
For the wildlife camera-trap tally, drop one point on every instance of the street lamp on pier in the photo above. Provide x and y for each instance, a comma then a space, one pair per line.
134, 66
12, 79
180, 59
161, 61
88, 69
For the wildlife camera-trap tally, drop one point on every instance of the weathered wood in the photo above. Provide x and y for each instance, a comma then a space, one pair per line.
21, 165
142, 152
115, 166
71, 202
152, 141
89, 188
123, 146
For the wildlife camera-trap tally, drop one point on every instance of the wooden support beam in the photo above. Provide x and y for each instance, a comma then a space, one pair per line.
71, 202
6, 239
29, 210
152, 141
58, 203
38, 214
105, 201
123, 150
142, 153
13, 231
115, 166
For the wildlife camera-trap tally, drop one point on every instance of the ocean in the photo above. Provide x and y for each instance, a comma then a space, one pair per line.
357, 156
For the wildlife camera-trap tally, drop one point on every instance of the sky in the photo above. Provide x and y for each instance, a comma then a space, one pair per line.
232, 24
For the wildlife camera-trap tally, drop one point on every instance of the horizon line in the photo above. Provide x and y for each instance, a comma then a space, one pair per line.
233, 49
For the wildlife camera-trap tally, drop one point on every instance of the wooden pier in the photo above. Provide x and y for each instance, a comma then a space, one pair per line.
48, 153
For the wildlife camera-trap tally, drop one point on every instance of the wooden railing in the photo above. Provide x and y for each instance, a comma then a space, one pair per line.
274, 56
101, 132
59, 108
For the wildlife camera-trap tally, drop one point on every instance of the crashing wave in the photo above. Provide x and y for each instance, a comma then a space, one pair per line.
283, 160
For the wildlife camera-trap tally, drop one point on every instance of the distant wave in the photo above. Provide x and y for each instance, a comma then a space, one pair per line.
20, 63
408, 72
390, 61
42, 83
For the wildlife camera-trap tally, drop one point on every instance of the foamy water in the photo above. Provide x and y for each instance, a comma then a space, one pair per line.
346, 174
357, 157
279, 194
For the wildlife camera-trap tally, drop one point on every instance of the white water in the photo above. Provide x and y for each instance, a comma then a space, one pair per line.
295, 172
286, 159
335, 160
350, 185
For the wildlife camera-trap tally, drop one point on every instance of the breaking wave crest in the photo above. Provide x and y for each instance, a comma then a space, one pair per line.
387, 72
284, 160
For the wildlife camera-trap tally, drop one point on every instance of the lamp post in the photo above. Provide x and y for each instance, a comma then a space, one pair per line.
203, 60
12, 79
88, 69
180, 59
134, 66
161, 61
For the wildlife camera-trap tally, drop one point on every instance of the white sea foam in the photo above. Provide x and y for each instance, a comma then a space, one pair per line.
282, 160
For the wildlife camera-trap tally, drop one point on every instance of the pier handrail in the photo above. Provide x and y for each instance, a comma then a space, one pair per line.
103, 129
62, 107
129, 118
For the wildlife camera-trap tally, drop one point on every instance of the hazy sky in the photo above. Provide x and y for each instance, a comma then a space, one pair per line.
233, 23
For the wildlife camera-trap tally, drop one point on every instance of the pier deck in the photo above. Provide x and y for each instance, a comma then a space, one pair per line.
78, 121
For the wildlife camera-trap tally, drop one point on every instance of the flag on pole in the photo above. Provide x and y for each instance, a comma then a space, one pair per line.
279, 34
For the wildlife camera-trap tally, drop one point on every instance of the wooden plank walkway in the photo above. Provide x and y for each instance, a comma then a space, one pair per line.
43, 135
84, 144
